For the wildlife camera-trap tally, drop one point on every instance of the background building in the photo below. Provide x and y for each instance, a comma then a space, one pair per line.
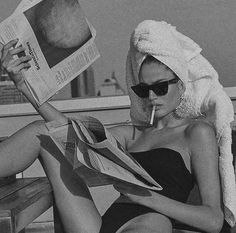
84, 84
8, 92
111, 86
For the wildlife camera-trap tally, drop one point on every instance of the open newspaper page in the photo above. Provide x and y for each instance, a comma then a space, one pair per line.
59, 39
86, 143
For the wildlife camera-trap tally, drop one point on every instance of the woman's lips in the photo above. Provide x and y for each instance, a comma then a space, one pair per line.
156, 105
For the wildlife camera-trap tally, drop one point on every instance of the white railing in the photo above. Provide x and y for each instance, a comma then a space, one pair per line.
69, 106
81, 104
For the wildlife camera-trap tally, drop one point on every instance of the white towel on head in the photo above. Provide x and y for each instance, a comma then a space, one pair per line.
204, 94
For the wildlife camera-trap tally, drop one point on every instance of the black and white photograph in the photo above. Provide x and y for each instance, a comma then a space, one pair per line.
141, 140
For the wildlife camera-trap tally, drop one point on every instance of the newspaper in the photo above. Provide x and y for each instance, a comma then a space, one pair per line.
96, 155
59, 39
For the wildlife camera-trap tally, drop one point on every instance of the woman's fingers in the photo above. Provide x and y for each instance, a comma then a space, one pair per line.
11, 43
131, 189
9, 50
20, 60
14, 60
18, 65
14, 66
7, 57
13, 69
16, 51
7, 47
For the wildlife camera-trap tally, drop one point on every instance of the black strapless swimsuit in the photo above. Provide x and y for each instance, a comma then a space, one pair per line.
167, 167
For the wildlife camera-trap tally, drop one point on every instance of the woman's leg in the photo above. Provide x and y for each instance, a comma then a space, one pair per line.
148, 223
20, 150
73, 200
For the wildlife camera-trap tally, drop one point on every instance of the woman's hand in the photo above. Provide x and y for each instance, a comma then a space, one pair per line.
134, 193
14, 63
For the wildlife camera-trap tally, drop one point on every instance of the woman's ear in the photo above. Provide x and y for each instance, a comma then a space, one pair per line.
181, 86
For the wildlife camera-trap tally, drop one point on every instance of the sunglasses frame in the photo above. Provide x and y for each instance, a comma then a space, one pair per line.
160, 88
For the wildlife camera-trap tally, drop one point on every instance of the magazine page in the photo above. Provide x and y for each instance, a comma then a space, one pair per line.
106, 146
59, 39
95, 137
95, 168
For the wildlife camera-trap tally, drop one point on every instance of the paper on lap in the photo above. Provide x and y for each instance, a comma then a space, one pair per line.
96, 155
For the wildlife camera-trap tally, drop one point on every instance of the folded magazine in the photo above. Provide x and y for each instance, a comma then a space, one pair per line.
58, 37
96, 155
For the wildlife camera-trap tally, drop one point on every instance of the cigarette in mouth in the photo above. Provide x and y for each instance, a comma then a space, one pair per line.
152, 114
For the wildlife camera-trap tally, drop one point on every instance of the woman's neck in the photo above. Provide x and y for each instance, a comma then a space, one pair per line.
169, 121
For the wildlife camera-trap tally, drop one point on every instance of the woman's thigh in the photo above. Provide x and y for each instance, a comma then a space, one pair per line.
148, 223
72, 197
21, 149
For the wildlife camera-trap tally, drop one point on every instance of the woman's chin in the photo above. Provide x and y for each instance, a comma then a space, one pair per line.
159, 113
162, 113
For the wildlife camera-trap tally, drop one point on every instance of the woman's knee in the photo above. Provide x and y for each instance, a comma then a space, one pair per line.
21, 149
38, 127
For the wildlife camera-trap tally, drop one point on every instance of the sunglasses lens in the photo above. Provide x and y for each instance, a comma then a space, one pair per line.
160, 88
141, 91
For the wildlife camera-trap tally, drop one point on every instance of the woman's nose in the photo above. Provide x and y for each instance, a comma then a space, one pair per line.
152, 95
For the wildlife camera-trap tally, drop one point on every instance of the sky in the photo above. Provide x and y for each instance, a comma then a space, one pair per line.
210, 23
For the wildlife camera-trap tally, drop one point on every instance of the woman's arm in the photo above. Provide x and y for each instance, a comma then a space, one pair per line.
14, 68
204, 156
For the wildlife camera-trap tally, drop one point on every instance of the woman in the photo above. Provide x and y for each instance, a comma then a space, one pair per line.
179, 148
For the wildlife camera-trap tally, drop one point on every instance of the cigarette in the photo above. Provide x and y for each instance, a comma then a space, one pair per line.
152, 114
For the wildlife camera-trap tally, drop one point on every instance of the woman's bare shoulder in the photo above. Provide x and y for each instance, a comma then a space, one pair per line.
199, 127
201, 136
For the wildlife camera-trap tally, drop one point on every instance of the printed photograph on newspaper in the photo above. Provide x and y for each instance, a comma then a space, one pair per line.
60, 28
